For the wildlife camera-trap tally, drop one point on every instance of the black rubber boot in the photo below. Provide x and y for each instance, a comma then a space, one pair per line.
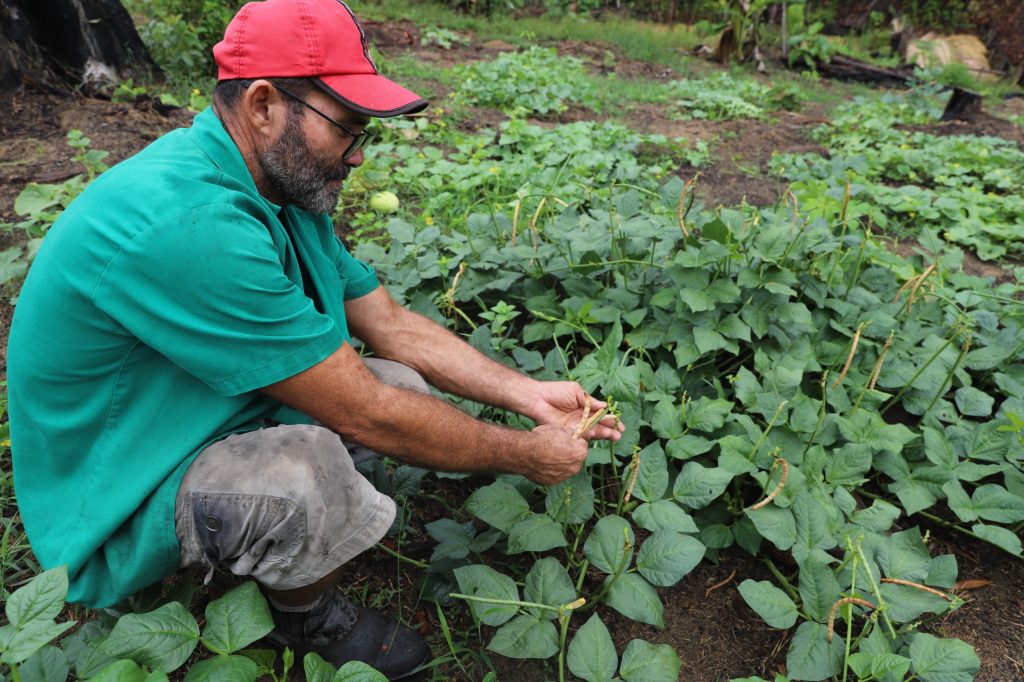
340, 632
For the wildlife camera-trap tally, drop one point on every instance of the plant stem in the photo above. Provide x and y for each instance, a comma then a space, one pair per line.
821, 412
949, 377
856, 267
616, 261
400, 557
882, 607
583, 574
563, 621
771, 424
849, 620
936, 354
505, 602
788, 586
947, 524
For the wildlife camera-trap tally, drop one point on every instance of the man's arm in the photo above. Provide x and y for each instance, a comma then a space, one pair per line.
343, 394
452, 365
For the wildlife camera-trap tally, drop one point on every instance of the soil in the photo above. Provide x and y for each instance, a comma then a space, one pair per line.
707, 622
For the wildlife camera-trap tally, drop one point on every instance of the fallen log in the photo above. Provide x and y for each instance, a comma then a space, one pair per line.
848, 68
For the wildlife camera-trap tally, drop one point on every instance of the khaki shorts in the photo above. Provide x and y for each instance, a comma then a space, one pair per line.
285, 504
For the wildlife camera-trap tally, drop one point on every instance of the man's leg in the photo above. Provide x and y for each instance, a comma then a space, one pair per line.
286, 506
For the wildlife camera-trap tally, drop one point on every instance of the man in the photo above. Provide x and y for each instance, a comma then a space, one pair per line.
197, 288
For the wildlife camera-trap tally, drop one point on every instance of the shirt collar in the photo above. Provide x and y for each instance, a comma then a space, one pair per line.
210, 135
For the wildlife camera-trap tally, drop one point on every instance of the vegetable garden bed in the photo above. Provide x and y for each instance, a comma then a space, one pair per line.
825, 438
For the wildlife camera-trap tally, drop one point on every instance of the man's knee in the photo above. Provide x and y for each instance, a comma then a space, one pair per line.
396, 374
278, 504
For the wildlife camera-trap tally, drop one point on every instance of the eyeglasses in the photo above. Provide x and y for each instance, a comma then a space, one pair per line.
359, 140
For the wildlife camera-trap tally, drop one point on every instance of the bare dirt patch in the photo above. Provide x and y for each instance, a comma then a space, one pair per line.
741, 150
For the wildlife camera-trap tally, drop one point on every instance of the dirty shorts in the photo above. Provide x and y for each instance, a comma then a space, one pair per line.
285, 504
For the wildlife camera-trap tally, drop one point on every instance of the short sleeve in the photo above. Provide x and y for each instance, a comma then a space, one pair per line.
360, 278
207, 289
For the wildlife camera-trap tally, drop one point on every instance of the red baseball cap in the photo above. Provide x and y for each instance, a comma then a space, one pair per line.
317, 39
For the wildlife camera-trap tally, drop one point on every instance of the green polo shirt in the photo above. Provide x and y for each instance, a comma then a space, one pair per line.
160, 301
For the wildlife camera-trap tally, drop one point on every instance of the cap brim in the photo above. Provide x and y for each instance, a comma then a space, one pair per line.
372, 95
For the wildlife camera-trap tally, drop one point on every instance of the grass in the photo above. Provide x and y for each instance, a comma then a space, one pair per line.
637, 40
415, 74
17, 564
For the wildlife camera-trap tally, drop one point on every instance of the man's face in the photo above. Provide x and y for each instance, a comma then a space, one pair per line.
298, 175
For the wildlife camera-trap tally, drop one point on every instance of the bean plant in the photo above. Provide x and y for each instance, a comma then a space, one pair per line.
787, 382
965, 186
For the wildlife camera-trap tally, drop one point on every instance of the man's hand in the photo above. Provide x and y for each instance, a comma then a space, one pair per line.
557, 457
560, 403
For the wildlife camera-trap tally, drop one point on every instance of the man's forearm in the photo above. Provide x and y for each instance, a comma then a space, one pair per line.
341, 393
452, 365
428, 432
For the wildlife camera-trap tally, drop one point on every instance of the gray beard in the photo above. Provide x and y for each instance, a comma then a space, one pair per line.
297, 176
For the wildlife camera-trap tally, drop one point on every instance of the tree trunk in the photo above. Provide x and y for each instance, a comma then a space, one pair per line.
67, 44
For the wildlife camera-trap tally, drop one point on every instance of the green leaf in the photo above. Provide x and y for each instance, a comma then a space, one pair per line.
942, 571
162, 639
571, 501
548, 583
696, 485
1000, 537
610, 544
811, 656
667, 420
905, 556
814, 524
13, 264
633, 597
49, 664
906, 604
591, 654
41, 599
996, 503
942, 660
237, 619
223, 669
535, 533
819, 588
37, 197
498, 504
623, 383
82, 648
973, 403
317, 669
455, 540
664, 515
878, 518
123, 671
883, 666
775, 524
652, 480
666, 556
483, 581
706, 414
19, 644
646, 662
772, 604
849, 464
357, 671
869, 428
526, 637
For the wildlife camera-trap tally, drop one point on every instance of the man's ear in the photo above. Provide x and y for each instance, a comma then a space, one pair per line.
264, 109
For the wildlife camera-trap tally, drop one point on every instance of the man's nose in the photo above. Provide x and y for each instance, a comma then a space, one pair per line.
355, 160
